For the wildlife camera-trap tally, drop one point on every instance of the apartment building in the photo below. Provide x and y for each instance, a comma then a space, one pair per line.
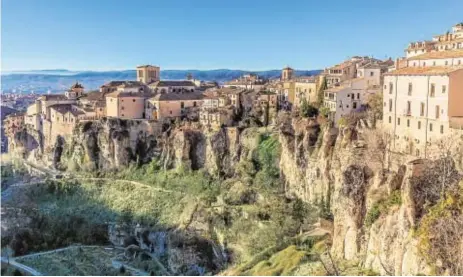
171, 105
419, 103
305, 88
248, 81
351, 95
452, 40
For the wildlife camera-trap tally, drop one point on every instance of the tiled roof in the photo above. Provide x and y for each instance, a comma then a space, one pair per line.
49, 97
429, 70
77, 85
127, 94
177, 96
61, 108
118, 83
172, 84
93, 96
439, 55
146, 65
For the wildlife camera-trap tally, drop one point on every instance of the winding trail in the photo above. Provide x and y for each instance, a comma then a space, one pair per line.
20, 267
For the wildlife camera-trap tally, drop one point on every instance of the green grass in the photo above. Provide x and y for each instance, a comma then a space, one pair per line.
76, 261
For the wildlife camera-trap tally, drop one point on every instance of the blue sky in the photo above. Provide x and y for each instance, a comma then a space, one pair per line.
238, 34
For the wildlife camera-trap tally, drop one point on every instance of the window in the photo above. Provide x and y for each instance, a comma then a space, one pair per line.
390, 105
122, 114
437, 111
434, 63
194, 103
442, 129
433, 90
390, 88
170, 112
398, 121
354, 105
408, 122
372, 73
419, 125
446, 62
409, 107
430, 127
390, 119
122, 108
424, 64
133, 100
410, 88
358, 95
422, 109
182, 105
444, 89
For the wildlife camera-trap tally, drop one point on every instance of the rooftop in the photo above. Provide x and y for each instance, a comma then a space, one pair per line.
172, 84
177, 97
430, 70
118, 83
147, 65
127, 94
439, 55
49, 97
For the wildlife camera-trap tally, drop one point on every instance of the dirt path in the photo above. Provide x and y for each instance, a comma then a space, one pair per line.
21, 267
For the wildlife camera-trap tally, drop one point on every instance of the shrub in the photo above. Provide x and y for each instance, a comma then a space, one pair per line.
382, 207
308, 110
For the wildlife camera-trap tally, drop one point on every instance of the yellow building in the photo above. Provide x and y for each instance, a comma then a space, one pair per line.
305, 88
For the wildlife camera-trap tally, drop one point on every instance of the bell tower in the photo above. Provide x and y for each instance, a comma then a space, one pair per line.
287, 73
147, 74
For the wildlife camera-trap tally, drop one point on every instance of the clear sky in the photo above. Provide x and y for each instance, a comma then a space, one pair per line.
211, 34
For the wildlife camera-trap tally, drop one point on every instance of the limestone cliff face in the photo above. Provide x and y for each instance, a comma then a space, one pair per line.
319, 164
216, 151
102, 144
336, 169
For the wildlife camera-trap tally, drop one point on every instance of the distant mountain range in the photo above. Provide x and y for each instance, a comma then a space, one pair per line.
57, 80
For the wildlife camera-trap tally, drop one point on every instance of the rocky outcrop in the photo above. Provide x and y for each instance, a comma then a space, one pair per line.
330, 166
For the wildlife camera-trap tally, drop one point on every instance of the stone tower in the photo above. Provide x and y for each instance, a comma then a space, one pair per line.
287, 73
148, 74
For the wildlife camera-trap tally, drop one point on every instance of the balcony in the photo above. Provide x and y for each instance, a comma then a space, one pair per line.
407, 112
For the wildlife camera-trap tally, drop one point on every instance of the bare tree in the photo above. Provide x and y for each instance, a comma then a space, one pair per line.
379, 144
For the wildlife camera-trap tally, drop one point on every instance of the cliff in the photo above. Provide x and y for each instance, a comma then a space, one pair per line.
370, 196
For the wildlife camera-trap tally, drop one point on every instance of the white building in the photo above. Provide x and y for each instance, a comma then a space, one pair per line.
418, 105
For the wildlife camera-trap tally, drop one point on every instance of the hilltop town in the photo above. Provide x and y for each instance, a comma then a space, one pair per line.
357, 170
420, 97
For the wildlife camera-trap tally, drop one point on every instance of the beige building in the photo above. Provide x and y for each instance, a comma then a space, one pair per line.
125, 104
248, 82
216, 117
287, 74
113, 85
452, 40
147, 74
172, 87
419, 103
171, 105
305, 88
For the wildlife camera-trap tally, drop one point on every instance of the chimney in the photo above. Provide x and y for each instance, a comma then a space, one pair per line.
396, 63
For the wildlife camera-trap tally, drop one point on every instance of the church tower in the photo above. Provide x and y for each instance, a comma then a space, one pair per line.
148, 74
287, 73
